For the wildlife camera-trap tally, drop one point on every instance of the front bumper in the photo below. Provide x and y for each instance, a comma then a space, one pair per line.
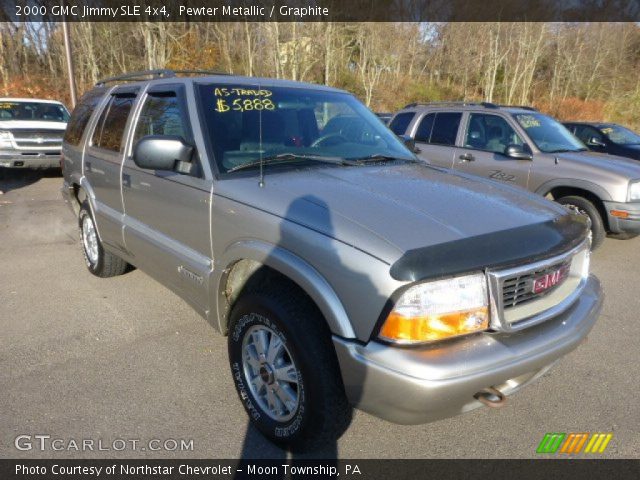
630, 224
29, 159
419, 385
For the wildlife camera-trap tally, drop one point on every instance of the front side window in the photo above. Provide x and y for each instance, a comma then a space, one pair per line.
549, 135
246, 124
112, 122
33, 111
401, 122
491, 133
445, 128
81, 115
586, 133
620, 135
161, 114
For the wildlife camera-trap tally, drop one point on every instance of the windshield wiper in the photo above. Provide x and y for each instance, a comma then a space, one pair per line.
289, 157
379, 157
565, 150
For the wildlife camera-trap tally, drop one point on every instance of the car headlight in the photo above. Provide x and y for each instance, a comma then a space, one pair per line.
5, 139
439, 309
634, 191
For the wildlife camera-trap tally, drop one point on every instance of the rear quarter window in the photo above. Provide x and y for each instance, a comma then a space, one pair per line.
81, 115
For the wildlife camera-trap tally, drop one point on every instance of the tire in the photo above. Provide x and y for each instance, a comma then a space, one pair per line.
99, 262
586, 207
317, 411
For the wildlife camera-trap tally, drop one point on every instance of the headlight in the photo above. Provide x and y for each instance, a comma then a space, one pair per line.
5, 139
437, 310
634, 191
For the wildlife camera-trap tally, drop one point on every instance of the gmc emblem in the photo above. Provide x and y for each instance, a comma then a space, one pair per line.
550, 280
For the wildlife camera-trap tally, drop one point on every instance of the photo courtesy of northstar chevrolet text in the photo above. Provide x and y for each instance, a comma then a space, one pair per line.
273, 239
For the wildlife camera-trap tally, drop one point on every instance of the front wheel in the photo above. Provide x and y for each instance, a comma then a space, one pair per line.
586, 207
285, 369
99, 261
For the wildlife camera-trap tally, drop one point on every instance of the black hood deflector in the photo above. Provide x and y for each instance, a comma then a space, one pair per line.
500, 249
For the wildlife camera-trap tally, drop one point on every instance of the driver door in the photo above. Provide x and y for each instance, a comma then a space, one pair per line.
485, 140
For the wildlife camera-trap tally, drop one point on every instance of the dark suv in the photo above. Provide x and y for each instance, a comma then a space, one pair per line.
608, 138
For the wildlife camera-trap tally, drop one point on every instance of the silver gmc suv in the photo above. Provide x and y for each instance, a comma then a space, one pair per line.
344, 271
521, 146
31, 132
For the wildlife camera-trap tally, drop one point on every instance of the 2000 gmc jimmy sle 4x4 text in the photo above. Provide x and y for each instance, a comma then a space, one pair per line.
344, 271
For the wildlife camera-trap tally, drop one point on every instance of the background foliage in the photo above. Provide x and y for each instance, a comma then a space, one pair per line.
587, 71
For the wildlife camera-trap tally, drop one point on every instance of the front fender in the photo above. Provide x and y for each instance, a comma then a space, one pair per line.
290, 265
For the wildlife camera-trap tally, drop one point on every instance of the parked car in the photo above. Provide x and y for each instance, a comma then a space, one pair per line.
31, 132
521, 146
608, 138
344, 271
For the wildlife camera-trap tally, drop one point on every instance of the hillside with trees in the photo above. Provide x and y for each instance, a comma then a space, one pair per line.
584, 71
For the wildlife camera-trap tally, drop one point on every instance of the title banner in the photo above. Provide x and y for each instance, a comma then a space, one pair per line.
318, 10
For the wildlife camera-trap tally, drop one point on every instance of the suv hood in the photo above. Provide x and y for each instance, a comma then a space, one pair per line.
31, 125
388, 211
622, 166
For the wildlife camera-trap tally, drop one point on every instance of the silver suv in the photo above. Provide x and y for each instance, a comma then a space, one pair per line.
344, 271
521, 146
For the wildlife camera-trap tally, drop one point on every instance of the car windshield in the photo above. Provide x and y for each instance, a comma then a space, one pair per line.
35, 111
549, 135
620, 135
247, 123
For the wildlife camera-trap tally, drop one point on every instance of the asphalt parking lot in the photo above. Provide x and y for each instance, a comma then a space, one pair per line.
124, 358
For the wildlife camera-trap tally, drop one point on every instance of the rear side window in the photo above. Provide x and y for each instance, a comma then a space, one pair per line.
81, 115
112, 122
161, 115
400, 123
445, 128
424, 129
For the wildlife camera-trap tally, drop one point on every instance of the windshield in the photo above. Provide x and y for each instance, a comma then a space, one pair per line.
36, 111
549, 135
248, 123
620, 135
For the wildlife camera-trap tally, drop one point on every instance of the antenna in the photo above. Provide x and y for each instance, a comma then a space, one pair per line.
261, 182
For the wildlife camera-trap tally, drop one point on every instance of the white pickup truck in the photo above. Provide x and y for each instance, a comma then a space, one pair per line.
31, 132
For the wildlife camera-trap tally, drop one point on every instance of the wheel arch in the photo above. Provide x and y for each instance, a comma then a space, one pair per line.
594, 193
253, 259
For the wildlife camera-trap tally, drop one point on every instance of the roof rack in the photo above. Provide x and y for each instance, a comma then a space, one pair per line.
155, 74
454, 104
524, 107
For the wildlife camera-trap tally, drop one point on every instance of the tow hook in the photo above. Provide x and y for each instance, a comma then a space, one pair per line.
491, 397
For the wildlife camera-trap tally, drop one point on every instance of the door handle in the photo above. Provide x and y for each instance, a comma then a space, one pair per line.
87, 166
126, 180
467, 157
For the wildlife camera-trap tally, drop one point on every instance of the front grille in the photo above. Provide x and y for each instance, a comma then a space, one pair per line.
518, 290
37, 138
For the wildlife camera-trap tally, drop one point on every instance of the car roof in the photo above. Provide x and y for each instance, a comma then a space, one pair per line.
469, 106
36, 100
169, 76
592, 124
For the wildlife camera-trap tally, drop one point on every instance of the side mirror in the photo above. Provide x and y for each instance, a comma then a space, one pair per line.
161, 152
517, 152
410, 143
596, 142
